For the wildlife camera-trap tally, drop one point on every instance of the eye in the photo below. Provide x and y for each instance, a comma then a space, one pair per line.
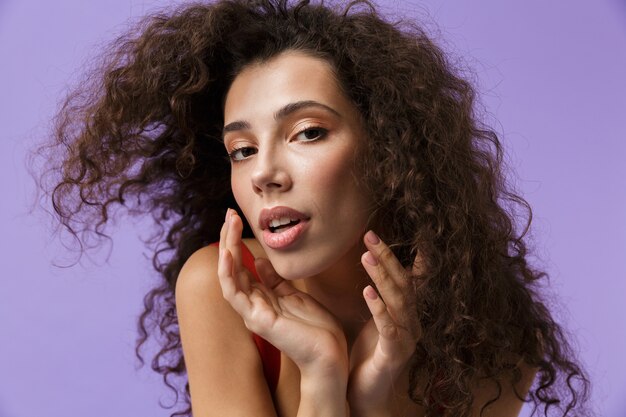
311, 134
239, 154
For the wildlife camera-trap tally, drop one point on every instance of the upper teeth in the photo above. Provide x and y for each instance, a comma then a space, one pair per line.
281, 221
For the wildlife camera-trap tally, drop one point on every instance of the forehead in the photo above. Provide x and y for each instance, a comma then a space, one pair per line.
289, 77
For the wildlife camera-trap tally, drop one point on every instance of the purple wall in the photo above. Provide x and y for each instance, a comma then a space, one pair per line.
552, 75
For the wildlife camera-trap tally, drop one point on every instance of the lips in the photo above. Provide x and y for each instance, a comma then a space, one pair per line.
282, 226
279, 215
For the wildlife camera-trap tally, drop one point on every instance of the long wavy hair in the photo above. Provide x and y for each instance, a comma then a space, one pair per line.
143, 133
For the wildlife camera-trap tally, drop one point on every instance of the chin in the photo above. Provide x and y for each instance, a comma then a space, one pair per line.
292, 269
305, 264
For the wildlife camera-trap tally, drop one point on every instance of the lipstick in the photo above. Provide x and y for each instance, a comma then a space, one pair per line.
282, 226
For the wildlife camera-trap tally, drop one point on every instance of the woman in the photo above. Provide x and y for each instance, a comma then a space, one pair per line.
371, 264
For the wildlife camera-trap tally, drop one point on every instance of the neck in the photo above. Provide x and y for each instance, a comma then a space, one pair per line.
340, 290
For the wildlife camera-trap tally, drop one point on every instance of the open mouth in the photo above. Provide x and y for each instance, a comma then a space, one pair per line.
279, 225
282, 227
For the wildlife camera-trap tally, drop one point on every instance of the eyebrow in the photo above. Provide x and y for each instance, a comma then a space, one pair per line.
280, 114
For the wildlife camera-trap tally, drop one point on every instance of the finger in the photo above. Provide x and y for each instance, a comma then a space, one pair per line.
391, 293
384, 323
271, 279
221, 265
230, 290
224, 274
387, 259
234, 228
395, 339
267, 273
233, 244
268, 279
224, 230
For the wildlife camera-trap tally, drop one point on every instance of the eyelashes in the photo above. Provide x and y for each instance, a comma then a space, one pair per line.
319, 133
306, 135
239, 154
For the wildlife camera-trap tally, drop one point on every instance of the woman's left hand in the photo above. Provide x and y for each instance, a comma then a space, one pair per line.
382, 350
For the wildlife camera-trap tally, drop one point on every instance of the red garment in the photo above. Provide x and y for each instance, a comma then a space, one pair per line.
270, 356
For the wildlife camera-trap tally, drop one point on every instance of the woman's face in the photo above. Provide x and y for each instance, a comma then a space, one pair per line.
292, 137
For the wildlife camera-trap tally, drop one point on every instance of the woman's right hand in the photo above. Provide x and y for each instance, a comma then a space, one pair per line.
289, 319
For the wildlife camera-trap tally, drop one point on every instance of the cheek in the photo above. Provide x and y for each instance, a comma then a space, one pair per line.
337, 177
333, 172
335, 182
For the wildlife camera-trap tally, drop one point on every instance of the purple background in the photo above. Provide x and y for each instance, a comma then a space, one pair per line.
552, 75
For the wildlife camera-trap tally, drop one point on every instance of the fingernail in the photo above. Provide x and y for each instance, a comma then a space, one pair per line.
372, 238
369, 258
371, 293
227, 215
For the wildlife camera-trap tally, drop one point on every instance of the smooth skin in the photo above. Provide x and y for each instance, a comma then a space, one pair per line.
345, 346
292, 321
218, 387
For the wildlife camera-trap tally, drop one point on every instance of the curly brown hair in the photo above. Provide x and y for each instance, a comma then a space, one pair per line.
143, 132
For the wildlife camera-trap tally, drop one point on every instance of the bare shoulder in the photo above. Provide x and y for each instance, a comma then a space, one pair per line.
223, 365
199, 269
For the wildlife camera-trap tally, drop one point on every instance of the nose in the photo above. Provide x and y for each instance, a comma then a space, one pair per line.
271, 172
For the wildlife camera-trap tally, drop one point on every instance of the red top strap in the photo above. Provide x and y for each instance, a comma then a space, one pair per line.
270, 356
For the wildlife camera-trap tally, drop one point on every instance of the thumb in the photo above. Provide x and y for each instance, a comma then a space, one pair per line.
270, 278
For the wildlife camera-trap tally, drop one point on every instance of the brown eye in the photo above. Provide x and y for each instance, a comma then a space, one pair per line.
312, 134
241, 153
